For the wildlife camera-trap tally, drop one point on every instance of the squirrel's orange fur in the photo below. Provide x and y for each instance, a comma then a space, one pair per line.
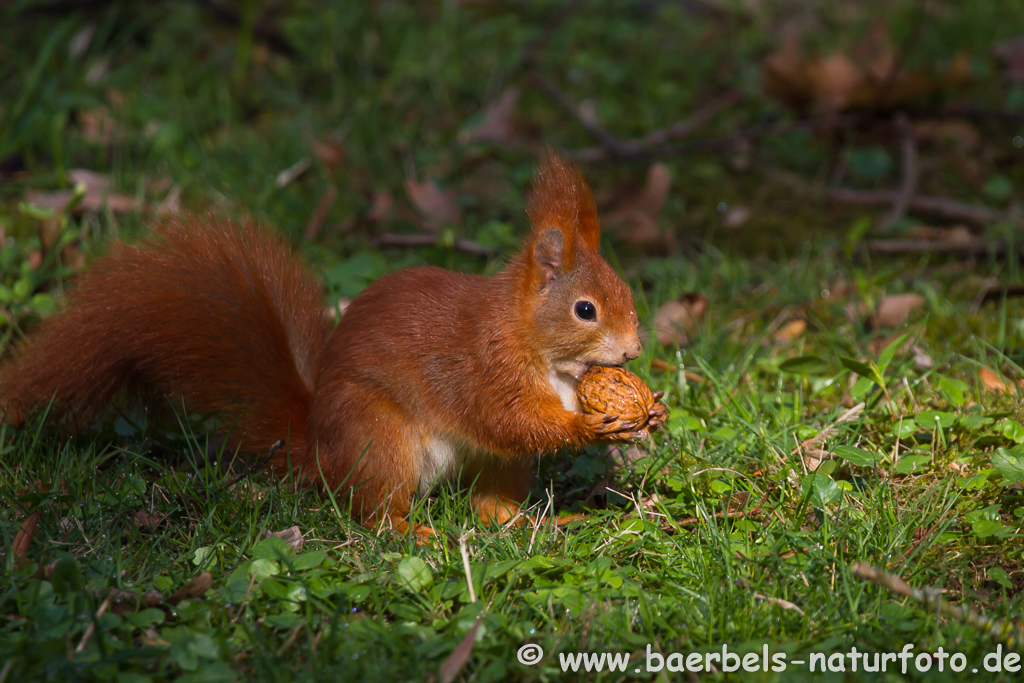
430, 375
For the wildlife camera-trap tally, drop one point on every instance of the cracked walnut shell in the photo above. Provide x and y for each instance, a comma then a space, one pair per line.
615, 391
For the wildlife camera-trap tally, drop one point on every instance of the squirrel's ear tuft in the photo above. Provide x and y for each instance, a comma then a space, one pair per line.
561, 199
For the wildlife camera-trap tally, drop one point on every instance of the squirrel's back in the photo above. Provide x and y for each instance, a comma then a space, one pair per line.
218, 315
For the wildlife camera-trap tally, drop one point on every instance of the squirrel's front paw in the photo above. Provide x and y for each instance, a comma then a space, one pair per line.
657, 416
614, 428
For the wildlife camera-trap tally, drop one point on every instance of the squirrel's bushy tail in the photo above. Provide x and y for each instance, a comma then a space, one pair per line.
216, 314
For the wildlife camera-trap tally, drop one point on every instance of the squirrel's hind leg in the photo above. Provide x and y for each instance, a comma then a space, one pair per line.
365, 448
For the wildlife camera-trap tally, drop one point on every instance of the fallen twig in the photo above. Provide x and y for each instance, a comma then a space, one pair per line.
643, 145
940, 207
968, 248
932, 600
256, 466
747, 134
784, 604
562, 101
91, 628
320, 212
728, 514
908, 184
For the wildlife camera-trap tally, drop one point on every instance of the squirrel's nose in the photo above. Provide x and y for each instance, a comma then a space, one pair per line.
633, 352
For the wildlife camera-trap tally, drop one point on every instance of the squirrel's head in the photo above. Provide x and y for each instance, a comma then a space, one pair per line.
582, 313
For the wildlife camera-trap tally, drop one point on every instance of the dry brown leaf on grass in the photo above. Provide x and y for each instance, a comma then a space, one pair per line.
460, 655
147, 520
957, 234
292, 536
737, 216
677, 321
921, 357
870, 78
26, 532
659, 365
381, 204
995, 382
98, 126
498, 124
634, 216
331, 153
438, 207
894, 309
789, 332
1011, 54
193, 589
812, 451
171, 204
319, 214
963, 134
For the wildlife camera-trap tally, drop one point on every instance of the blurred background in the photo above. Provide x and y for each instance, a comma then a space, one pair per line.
385, 134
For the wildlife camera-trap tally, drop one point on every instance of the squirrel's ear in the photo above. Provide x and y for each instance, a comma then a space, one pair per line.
549, 255
561, 199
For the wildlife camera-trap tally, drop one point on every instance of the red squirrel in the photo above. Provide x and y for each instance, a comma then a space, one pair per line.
431, 375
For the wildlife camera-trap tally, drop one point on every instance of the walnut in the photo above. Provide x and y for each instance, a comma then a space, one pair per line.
618, 392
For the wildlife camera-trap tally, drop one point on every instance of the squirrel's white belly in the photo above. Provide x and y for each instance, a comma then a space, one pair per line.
565, 386
445, 456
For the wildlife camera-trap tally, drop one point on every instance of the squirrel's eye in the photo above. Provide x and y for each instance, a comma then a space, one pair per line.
586, 310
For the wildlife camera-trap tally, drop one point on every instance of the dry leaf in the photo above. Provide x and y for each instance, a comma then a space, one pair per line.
1011, 54
26, 532
292, 536
922, 359
171, 204
80, 42
676, 321
869, 80
856, 311
790, 331
894, 309
875, 52
98, 126
292, 173
587, 111
97, 195
962, 133
784, 604
320, 212
635, 216
147, 520
737, 216
438, 207
784, 77
380, 207
813, 456
834, 82
95, 183
152, 639
460, 655
331, 153
497, 124
957, 234
193, 589
995, 382
160, 184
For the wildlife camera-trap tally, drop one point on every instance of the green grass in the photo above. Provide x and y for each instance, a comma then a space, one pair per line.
690, 543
